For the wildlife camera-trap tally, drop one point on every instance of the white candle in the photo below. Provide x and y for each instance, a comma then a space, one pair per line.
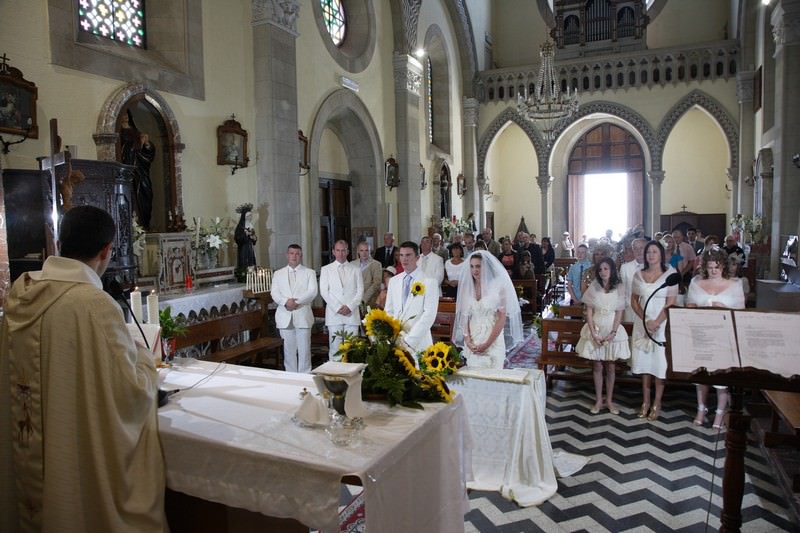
152, 307
136, 304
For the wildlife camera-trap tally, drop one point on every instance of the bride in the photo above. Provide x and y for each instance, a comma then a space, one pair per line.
488, 317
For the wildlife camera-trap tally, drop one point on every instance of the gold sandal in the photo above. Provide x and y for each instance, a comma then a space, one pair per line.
653, 416
643, 411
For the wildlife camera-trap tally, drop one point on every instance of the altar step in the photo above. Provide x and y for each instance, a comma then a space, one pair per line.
642, 476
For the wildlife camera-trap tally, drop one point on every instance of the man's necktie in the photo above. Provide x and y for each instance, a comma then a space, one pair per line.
341, 273
406, 288
292, 279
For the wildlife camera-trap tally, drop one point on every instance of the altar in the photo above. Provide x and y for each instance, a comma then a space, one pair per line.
228, 437
201, 304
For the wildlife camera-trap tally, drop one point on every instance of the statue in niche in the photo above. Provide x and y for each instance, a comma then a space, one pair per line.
139, 152
245, 237
444, 188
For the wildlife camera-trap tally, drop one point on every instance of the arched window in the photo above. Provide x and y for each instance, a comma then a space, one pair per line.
117, 20
335, 20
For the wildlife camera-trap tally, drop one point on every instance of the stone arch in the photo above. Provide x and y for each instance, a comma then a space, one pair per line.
510, 115
344, 114
106, 138
709, 104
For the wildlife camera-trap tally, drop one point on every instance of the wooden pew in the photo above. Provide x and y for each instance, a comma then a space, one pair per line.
442, 329
217, 333
786, 407
530, 293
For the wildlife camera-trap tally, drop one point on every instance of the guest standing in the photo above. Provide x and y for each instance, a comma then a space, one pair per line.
294, 287
575, 274
452, 271
85, 454
603, 339
370, 270
548, 253
429, 262
714, 287
626, 274
486, 308
385, 254
647, 357
508, 256
341, 286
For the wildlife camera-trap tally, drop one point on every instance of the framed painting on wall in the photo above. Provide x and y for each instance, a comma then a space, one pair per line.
17, 103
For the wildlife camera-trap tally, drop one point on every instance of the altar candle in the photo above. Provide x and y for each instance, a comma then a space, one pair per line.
152, 307
269, 279
136, 303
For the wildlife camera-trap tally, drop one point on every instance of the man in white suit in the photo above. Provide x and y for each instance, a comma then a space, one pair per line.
294, 287
429, 261
341, 286
371, 273
417, 312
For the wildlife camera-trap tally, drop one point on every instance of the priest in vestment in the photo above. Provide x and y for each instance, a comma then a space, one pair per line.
79, 446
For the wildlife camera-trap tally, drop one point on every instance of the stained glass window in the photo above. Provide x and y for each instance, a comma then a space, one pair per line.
118, 20
429, 96
335, 19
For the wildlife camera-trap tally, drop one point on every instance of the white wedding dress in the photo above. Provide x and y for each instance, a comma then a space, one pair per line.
482, 315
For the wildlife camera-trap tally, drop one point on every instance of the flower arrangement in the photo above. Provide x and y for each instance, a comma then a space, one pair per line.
138, 238
392, 370
211, 236
453, 226
749, 225
549, 311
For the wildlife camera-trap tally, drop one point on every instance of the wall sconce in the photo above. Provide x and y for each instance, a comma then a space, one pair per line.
391, 173
461, 185
751, 180
305, 167
727, 187
232, 145
796, 159
423, 182
235, 166
487, 191
7, 144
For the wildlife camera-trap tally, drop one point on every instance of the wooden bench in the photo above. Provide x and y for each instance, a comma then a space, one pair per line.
218, 333
785, 407
530, 293
442, 329
567, 332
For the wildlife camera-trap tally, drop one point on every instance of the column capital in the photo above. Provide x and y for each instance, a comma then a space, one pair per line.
744, 86
785, 22
407, 73
471, 112
544, 181
280, 13
656, 176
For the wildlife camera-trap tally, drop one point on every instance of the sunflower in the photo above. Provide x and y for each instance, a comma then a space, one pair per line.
406, 361
381, 325
417, 288
438, 359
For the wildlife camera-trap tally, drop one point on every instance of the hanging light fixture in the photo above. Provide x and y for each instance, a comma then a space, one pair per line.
547, 105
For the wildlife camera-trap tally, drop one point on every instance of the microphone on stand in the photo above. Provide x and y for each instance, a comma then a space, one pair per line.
672, 280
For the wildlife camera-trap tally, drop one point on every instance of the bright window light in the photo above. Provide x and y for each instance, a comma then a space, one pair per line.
605, 204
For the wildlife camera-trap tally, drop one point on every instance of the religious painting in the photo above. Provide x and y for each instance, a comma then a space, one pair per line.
461, 185
17, 103
366, 234
391, 173
232, 144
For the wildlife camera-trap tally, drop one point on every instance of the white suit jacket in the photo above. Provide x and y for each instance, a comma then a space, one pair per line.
432, 265
304, 290
336, 294
419, 312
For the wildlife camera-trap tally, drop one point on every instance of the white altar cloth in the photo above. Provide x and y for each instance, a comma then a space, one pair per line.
511, 451
228, 437
204, 299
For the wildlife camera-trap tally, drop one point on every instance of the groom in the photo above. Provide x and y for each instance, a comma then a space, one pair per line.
413, 299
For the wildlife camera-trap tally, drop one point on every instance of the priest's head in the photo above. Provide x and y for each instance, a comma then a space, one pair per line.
87, 234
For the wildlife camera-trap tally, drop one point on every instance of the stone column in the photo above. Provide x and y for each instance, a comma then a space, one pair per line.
544, 182
407, 83
741, 196
656, 179
785, 22
733, 190
472, 201
283, 218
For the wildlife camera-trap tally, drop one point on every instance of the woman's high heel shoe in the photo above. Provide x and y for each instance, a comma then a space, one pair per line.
700, 419
643, 411
653, 416
719, 420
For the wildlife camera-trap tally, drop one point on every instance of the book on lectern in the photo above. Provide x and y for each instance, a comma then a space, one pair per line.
723, 339
152, 333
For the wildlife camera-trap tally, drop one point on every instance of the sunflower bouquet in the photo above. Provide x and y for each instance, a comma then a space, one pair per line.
392, 370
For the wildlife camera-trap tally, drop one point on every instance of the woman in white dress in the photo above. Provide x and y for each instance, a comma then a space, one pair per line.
453, 268
488, 317
647, 357
603, 339
714, 287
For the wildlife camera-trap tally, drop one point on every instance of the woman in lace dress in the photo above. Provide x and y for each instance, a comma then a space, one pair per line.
647, 357
603, 339
488, 317
714, 287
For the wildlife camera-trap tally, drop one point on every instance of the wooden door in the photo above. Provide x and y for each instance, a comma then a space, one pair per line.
334, 204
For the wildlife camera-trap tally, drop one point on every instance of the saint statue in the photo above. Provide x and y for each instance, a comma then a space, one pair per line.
444, 189
245, 237
139, 152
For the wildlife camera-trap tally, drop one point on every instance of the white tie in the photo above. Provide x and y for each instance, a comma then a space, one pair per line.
406, 288
292, 279
341, 273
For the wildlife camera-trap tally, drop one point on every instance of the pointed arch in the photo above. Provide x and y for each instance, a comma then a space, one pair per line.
106, 138
712, 106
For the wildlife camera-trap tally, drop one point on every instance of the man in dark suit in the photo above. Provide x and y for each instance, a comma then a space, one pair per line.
535, 250
385, 254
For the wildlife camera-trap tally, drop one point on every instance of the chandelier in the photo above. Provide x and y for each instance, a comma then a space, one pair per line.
547, 106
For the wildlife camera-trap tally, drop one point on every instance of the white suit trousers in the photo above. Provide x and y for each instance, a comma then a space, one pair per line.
296, 349
335, 340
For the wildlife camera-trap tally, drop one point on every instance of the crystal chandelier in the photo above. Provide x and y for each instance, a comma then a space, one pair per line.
547, 105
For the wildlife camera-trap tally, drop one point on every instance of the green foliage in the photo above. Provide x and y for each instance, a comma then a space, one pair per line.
171, 326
